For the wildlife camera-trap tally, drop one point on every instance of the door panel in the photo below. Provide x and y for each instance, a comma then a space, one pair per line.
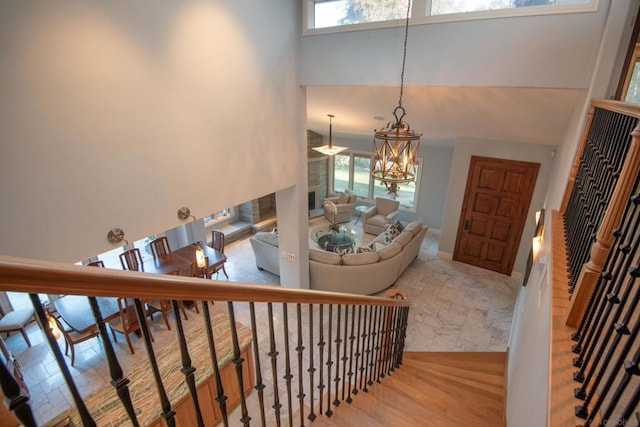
494, 210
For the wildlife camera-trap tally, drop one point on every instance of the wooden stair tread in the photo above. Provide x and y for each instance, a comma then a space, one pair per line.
435, 389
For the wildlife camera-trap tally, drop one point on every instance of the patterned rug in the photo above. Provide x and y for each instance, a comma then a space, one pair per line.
104, 405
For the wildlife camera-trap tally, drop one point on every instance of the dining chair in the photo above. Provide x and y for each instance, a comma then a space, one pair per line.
217, 242
131, 259
72, 337
16, 321
126, 322
160, 247
164, 306
98, 263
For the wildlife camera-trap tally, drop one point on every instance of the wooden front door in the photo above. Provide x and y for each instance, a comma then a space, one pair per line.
494, 211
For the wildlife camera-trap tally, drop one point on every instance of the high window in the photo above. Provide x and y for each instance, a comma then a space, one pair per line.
353, 170
343, 15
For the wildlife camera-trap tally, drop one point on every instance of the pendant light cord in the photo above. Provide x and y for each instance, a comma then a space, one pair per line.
404, 54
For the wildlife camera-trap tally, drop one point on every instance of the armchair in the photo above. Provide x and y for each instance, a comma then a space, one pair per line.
378, 216
344, 203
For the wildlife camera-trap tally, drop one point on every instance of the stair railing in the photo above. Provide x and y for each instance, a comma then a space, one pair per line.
595, 364
359, 340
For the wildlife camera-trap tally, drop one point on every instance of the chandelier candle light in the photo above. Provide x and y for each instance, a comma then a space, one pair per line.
396, 146
330, 149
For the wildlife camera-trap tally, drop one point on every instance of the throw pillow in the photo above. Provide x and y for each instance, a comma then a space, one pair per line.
390, 234
343, 198
371, 247
399, 226
343, 251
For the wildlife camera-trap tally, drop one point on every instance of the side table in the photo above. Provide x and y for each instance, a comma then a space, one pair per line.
360, 210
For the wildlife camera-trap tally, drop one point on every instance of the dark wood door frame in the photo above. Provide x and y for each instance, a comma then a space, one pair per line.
494, 211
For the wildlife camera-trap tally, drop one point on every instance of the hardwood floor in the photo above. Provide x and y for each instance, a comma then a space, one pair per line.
431, 388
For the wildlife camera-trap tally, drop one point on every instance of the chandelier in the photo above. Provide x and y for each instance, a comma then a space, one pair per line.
396, 147
330, 149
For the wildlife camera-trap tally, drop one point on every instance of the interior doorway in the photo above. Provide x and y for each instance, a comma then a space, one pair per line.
494, 210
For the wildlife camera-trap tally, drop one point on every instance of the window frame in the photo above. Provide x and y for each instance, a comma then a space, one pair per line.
420, 10
371, 187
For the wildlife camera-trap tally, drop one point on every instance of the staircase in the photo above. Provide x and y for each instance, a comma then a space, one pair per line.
434, 389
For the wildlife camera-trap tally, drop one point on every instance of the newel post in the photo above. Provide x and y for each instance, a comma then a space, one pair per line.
576, 160
591, 269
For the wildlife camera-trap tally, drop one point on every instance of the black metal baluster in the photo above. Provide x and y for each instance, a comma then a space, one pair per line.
287, 362
187, 369
620, 329
357, 354
363, 360
403, 333
221, 399
367, 358
393, 314
380, 341
344, 350
237, 361
256, 357
374, 351
338, 341
273, 354
300, 350
631, 406
608, 280
321, 344
41, 317
612, 300
386, 328
311, 370
631, 369
329, 412
352, 337
18, 402
118, 380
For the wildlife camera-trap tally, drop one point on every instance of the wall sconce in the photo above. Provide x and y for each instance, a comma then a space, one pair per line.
184, 213
116, 235
536, 245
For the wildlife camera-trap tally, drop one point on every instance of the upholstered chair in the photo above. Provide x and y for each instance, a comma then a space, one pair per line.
344, 203
377, 217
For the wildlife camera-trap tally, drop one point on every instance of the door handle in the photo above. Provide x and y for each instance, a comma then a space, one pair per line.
465, 225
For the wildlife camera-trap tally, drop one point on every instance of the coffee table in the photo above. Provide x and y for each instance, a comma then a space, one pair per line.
328, 238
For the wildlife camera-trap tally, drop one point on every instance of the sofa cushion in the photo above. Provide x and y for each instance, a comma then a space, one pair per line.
360, 258
389, 251
324, 257
414, 227
267, 237
404, 238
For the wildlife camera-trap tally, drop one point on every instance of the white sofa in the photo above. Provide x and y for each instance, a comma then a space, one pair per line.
367, 272
363, 273
265, 248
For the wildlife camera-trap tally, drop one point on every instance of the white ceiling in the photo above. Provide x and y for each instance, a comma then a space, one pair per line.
441, 114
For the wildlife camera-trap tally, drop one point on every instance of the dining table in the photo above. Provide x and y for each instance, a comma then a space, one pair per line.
182, 259
76, 311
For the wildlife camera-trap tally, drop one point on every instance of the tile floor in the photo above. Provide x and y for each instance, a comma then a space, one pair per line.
454, 307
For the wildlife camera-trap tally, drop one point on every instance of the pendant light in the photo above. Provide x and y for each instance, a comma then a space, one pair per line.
396, 146
330, 149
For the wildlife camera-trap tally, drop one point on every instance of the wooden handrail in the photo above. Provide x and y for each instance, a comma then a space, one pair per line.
627, 108
35, 276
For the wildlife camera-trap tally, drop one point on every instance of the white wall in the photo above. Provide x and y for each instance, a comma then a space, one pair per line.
528, 366
116, 114
541, 51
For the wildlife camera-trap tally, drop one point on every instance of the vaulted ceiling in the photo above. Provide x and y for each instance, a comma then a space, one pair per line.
444, 113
